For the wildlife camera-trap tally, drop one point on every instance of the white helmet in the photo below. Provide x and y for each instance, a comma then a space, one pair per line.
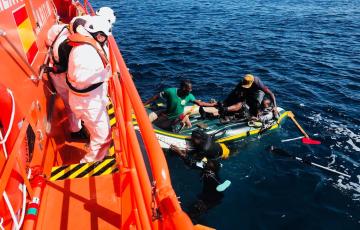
98, 24
107, 13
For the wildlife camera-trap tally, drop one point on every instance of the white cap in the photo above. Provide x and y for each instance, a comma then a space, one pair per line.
107, 13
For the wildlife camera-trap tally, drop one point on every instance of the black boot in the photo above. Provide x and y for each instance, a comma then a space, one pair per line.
80, 136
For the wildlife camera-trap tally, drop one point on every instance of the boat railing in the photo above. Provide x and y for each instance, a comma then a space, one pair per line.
127, 101
156, 204
15, 160
87, 5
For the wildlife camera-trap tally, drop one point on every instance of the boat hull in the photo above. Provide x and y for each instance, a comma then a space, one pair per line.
226, 133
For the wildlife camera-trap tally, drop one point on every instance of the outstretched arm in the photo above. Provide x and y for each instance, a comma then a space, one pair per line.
235, 107
231, 108
185, 156
154, 98
205, 104
272, 96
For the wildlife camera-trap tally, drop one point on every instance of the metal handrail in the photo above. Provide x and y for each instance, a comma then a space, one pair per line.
172, 214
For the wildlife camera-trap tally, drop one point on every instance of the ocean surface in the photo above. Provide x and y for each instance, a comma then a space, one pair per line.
307, 52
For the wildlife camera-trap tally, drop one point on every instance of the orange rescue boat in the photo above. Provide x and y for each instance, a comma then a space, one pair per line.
41, 182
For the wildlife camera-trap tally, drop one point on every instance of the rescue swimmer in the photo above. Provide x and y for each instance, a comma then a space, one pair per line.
205, 154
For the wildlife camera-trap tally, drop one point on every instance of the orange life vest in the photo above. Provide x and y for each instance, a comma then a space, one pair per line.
77, 40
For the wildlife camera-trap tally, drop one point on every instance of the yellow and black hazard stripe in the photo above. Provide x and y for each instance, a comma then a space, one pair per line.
97, 168
111, 150
112, 118
111, 113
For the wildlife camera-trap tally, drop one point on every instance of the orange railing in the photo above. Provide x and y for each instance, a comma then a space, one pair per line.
149, 195
14, 160
86, 5
14, 157
127, 100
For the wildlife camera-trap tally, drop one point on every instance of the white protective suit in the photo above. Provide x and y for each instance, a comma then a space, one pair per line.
59, 79
85, 69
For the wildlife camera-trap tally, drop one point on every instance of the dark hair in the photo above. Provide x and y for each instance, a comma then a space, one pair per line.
185, 83
78, 22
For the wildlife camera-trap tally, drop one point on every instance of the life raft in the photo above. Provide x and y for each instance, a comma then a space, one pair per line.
223, 132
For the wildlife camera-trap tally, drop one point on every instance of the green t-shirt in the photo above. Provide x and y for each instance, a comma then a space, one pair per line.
175, 104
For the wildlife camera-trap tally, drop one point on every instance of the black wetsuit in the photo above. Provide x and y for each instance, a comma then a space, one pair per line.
209, 196
209, 193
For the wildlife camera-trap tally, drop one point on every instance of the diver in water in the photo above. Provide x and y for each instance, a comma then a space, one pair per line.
206, 155
210, 195
213, 189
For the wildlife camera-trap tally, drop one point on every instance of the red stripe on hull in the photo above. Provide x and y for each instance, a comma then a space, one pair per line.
32, 52
20, 15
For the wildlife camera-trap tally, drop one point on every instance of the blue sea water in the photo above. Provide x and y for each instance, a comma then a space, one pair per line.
307, 52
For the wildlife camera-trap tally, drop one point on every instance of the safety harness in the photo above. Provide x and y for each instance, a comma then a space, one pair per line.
77, 40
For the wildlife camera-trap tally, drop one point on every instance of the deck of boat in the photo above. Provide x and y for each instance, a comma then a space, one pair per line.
83, 203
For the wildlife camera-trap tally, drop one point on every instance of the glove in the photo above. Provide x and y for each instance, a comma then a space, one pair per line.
222, 110
219, 104
46, 68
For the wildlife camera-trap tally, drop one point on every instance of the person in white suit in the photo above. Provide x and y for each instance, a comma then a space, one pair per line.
88, 74
57, 70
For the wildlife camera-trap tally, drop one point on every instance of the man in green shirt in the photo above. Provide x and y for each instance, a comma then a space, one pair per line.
176, 100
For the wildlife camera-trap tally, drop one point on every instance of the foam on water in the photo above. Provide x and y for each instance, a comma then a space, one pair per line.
338, 131
352, 188
307, 53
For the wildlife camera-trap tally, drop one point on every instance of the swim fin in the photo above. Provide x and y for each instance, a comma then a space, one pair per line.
222, 187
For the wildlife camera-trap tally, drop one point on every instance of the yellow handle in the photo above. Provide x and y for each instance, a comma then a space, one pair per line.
291, 115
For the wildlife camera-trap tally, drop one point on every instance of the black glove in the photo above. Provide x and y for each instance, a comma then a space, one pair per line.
223, 110
219, 104
46, 68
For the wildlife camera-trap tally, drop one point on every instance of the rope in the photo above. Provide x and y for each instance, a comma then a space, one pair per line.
12, 213
4, 139
1, 224
6, 198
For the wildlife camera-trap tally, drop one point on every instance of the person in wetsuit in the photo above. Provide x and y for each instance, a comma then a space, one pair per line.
209, 196
206, 154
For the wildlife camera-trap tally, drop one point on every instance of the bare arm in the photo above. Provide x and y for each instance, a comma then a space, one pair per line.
204, 104
178, 151
154, 98
235, 107
272, 96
